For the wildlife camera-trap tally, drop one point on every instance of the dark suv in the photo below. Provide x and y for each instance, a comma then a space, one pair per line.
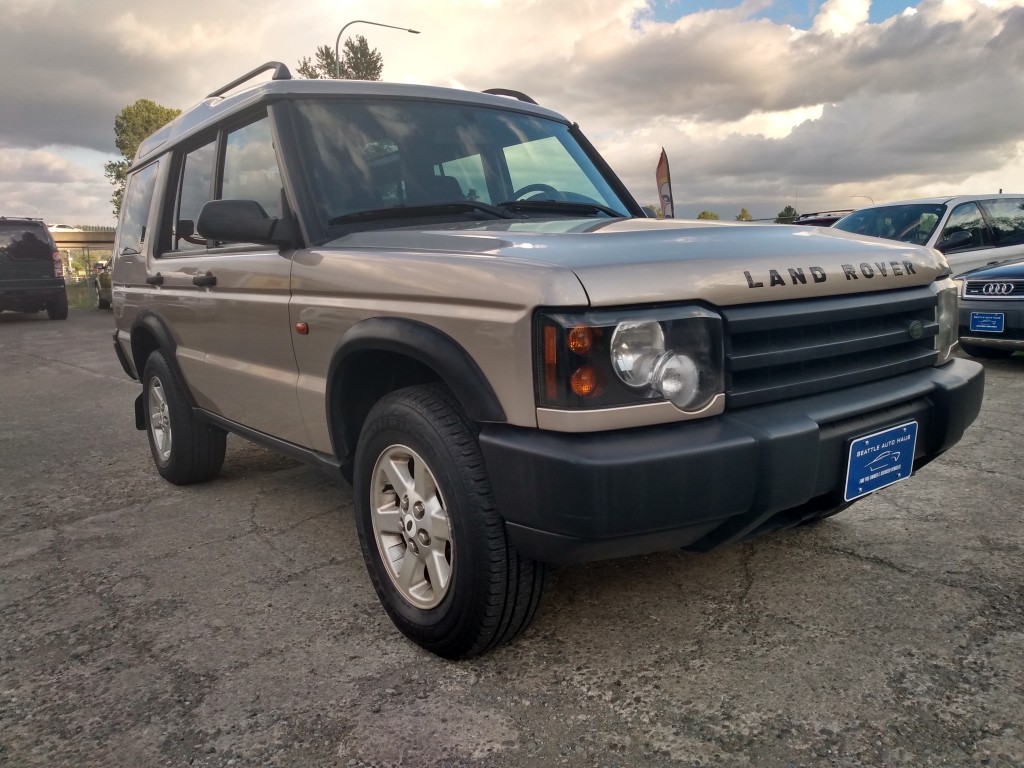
31, 272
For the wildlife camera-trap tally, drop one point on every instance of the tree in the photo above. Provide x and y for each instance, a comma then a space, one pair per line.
787, 215
322, 66
744, 215
358, 62
711, 215
131, 125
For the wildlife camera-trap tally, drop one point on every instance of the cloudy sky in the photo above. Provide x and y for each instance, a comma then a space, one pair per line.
759, 104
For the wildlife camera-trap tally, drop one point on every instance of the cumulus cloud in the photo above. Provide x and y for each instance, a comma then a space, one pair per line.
840, 17
753, 112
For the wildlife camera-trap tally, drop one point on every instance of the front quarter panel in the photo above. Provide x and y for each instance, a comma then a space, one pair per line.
483, 303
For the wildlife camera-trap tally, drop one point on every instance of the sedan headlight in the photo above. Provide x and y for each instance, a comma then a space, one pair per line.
610, 359
947, 319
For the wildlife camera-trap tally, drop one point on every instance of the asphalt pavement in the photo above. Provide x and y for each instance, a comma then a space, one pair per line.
233, 623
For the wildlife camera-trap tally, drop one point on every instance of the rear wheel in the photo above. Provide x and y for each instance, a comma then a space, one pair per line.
185, 449
987, 353
58, 308
434, 543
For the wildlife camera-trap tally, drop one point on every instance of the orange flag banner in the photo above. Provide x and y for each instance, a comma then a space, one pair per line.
665, 186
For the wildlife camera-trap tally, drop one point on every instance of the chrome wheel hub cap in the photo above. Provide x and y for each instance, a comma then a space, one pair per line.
160, 420
411, 526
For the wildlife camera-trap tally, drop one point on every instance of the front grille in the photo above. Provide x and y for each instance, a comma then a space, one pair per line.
791, 349
994, 289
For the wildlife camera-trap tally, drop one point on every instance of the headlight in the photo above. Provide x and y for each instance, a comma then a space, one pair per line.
615, 358
947, 319
636, 349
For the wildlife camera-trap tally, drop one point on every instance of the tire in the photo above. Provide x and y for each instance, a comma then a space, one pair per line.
58, 308
986, 353
101, 303
185, 449
434, 544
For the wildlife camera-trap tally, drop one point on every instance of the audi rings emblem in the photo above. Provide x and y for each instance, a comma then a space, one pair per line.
997, 289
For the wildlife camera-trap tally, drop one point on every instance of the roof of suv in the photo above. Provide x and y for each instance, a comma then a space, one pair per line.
947, 200
216, 107
21, 220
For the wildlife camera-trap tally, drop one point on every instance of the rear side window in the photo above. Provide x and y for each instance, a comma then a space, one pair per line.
138, 195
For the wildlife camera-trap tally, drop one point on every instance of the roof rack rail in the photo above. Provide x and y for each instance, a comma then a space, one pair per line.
514, 94
281, 72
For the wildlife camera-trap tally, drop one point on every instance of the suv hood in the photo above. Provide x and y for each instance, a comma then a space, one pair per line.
626, 261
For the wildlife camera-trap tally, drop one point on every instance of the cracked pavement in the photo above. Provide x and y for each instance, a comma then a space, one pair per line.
233, 624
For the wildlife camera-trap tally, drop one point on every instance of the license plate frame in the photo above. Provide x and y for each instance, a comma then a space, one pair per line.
880, 459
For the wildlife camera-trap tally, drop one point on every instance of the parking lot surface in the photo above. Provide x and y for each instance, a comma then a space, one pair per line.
233, 623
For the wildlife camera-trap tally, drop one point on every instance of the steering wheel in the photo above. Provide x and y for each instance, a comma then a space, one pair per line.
536, 188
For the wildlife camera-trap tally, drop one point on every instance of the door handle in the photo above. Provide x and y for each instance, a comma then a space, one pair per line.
206, 280
156, 279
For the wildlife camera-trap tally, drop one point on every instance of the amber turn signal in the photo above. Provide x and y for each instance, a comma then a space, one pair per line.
581, 339
585, 382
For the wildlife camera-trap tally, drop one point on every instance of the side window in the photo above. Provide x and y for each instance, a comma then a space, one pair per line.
250, 167
1007, 217
138, 195
967, 218
195, 190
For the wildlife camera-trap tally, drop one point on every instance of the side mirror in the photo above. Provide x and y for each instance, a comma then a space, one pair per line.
243, 221
958, 239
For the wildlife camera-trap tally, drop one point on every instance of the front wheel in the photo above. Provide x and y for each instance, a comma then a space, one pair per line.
185, 449
434, 543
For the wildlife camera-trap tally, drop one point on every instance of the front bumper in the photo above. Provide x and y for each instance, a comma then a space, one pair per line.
702, 484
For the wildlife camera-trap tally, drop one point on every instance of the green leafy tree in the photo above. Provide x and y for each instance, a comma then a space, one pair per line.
131, 125
358, 62
321, 67
787, 215
744, 215
711, 215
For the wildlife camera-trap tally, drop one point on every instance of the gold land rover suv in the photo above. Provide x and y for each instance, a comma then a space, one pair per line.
449, 299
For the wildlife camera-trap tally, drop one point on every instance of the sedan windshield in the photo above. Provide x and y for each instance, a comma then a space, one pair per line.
911, 223
370, 162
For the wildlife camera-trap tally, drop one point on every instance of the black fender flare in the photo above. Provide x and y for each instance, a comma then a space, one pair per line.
165, 341
423, 343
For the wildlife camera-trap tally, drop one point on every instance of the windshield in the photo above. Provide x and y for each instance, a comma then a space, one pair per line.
442, 160
911, 223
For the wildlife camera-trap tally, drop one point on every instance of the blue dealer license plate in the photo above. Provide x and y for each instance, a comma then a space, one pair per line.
880, 459
987, 322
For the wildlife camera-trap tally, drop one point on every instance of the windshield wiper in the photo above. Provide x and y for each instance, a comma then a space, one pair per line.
567, 207
415, 211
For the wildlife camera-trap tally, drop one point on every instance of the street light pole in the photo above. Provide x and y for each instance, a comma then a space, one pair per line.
337, 42
866, 197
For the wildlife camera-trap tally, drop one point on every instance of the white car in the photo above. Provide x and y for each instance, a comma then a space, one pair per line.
971, 230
